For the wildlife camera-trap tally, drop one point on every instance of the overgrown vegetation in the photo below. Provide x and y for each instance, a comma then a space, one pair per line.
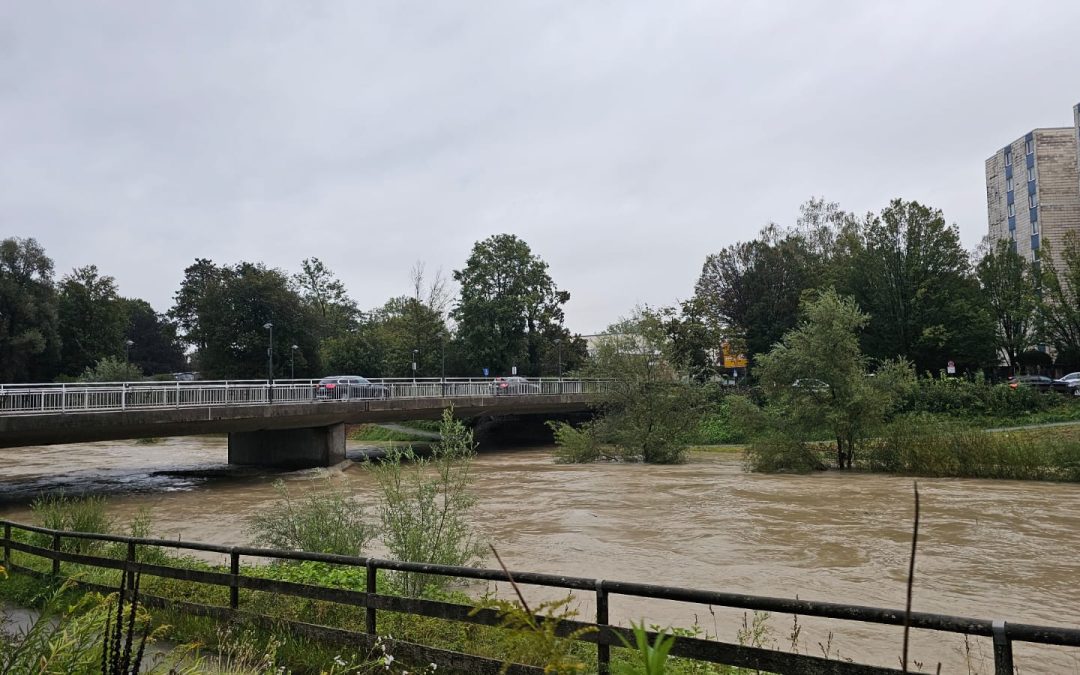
425, 503
649, 412
325, 519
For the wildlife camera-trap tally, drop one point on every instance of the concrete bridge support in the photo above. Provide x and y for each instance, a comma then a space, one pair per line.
288, 448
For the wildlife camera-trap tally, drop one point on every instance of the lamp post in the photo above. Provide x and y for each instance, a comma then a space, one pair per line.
443, 378
415, 352
270, 362
292, 362
127, 350
558, 344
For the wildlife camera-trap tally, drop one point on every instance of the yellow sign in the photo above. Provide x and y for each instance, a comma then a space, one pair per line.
733, 360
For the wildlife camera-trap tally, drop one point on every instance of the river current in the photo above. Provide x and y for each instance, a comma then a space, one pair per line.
988, 549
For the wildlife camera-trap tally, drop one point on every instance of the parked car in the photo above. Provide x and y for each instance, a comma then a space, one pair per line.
503, 386
1068, 384
1038, 382
343, 387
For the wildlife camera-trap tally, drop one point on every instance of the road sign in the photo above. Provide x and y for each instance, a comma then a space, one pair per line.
513, 370
485, 372
951, 369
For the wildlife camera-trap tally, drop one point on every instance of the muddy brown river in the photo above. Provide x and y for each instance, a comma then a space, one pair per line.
990, 549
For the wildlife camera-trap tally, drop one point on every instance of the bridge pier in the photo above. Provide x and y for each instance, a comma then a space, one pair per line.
288, 448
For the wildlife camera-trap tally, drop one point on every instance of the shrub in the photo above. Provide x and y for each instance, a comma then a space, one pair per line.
73, 514
326, 520
717, 428
425, 503
111, 369
781, 453
574, 446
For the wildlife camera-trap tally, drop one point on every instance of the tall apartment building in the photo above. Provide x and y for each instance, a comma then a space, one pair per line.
1033, 189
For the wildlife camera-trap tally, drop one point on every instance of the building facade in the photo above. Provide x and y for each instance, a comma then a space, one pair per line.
1033, 190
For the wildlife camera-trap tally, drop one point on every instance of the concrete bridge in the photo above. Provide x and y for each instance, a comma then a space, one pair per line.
293, 423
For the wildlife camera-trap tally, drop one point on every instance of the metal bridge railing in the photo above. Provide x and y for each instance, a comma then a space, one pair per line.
37, 399
42, 543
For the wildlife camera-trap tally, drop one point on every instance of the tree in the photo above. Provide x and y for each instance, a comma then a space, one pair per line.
154, 347
356, 351
326, 297
1059, 307
817, 375
647, 412
111, 369
1008, 285
92, 320
749, 292
224, 311
508, 304
906, 268
29, 339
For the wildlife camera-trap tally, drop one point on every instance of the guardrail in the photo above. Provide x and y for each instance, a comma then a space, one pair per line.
605, 635
16, 399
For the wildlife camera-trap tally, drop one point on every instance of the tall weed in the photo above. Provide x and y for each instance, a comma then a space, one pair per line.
325, 520
425, 503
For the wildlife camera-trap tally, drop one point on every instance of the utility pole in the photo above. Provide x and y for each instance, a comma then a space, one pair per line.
270, 362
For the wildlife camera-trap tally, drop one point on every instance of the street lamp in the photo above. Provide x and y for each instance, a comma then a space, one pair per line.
414, 356
270, 361
127, 350
558, 343
292, 362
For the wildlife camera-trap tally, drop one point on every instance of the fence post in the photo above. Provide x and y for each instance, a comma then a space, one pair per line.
234, 583
1003, 658
371, 590
131, 559
603, 652
56, 548
7, 545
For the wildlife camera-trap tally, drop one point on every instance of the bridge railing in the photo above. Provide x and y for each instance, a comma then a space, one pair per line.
50, 398
68, 552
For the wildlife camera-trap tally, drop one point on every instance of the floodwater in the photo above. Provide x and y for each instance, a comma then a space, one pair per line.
988, 549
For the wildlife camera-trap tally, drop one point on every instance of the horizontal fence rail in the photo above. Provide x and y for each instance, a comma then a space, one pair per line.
37, 399
49, 545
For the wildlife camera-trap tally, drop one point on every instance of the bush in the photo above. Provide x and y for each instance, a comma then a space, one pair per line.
111, 369
716, 428
781, 453
326, 520
73, 514
926, 446
425, 517
574, 446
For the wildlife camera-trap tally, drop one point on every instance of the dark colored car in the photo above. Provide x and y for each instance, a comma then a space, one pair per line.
344, 387
504, 386
1068, 384
1038, 382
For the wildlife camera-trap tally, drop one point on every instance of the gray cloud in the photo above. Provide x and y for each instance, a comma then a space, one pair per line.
622, 140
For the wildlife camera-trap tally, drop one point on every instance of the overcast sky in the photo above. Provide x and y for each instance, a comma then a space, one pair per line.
622, 140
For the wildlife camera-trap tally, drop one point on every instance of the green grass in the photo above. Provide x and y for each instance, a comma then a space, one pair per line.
725, 449
376, 433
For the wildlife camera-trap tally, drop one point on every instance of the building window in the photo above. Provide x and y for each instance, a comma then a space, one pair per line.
1008, 159
1034, 227
1029, 147
1008, 184
1012, 210
1032, 201
1031, 173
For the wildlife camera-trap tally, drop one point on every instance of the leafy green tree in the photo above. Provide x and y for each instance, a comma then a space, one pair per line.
92, 319
817, 376
508, 303
405, 324
326, 297
356, 352
749, 292
224, 310
907, 269
1009, 286
111, 369
648, 411
155, 347
1059, 307
29, 338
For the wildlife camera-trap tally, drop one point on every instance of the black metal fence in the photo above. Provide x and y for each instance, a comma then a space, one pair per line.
603, 635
